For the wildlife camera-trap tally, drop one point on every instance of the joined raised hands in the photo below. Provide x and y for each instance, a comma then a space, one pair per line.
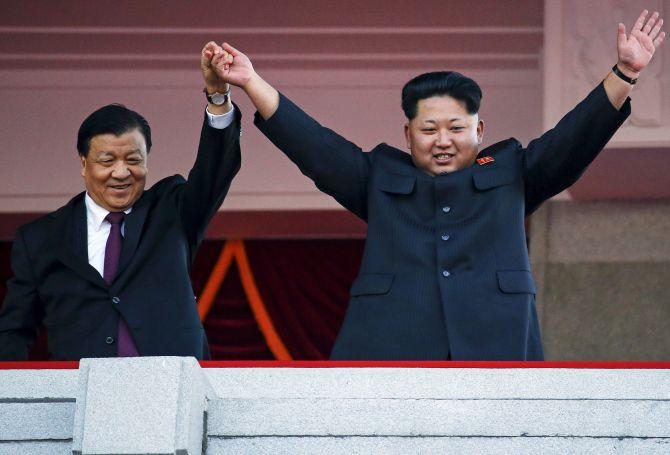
233, 66
636, 50
213, 82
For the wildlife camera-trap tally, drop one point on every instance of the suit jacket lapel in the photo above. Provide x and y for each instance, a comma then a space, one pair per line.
73, 246
132, 231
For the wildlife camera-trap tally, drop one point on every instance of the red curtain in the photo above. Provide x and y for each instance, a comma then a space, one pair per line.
305, 287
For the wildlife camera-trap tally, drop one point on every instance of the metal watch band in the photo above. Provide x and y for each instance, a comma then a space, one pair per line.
210, 98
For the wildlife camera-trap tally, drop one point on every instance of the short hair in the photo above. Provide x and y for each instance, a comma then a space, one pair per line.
114, 119
440, 83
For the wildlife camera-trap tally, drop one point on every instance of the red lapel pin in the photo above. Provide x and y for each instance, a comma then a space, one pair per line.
485, 160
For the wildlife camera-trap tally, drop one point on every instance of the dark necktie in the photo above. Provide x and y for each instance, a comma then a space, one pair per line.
126, 346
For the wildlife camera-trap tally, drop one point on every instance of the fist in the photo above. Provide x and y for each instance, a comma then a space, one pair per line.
213, 82
232, 66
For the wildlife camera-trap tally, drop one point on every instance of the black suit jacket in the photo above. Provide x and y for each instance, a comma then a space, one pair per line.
445, 272
55, 285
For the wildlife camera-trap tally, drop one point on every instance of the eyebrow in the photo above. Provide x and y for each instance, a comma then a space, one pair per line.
453, 119
129, 152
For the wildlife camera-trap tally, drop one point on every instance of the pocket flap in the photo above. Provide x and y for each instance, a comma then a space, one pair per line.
493, 177
371, 283
395, 183
516, 281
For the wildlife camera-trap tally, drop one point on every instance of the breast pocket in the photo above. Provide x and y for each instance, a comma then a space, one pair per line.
404, 199
493, 178
395, 183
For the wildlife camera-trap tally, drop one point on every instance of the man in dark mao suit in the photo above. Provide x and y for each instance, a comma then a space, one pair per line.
61, 262
445, 272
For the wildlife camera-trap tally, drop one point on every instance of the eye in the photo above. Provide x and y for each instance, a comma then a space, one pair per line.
106, 161
457, 128
428, 130
134, 161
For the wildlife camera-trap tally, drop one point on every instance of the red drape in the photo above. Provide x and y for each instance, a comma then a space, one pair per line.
305, 287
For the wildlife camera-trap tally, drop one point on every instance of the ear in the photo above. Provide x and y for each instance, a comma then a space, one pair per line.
407, 136
480, 131
83, 165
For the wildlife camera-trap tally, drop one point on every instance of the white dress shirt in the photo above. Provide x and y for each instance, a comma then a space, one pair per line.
98, 228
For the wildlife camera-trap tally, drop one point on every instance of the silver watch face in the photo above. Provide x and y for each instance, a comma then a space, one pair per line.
218, 99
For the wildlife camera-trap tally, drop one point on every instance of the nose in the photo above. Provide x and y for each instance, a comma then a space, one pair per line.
120, 171
443, 139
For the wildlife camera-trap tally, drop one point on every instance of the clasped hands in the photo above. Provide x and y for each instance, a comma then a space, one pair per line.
223, 65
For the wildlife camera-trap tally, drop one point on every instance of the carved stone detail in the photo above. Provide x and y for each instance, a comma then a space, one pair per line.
583, 47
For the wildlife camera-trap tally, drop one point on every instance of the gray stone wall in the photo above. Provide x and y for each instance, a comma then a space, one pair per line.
171, 405
603, 272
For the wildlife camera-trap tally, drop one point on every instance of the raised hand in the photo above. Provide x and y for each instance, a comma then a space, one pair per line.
213, 83
233, 66
635, 50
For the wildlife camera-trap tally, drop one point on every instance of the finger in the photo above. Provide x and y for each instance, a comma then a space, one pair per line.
234, 52
640, 21
208, 52
659, 40
217, 60
621, 35
656, 29
209, 46
650, 23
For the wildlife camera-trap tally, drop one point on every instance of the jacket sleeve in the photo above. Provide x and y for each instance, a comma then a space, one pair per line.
337, 167
555, 161
21, 312
217, 162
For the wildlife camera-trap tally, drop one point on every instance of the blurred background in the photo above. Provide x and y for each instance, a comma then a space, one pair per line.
600, 251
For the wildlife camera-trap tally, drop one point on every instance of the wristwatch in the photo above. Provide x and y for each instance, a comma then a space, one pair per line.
216, 98
617, 71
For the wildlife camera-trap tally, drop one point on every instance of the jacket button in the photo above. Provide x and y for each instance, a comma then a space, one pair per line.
446, 209
445, 237
445, 273
116, 300
109, 340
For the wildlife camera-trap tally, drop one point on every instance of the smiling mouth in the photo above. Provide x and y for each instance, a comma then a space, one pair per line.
443, 158
120, 187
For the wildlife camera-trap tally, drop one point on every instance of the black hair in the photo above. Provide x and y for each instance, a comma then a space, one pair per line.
114, 119
441, 83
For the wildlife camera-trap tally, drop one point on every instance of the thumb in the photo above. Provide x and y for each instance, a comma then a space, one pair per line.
231, 50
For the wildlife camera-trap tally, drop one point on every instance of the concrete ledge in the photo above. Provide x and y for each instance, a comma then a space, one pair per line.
395, 445
34, 448
31, 421
446, 383
157, 405
431, 417
38, 384
149, 405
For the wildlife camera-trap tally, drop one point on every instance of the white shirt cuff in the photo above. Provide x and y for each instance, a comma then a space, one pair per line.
220, 121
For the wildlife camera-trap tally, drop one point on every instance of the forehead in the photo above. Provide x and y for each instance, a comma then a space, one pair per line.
441, 107
129, 141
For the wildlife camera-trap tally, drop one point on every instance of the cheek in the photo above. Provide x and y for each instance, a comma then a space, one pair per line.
139, 174
423, 145
96, 177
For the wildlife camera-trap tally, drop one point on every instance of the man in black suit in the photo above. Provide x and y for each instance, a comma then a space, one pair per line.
108, 273
445, 272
